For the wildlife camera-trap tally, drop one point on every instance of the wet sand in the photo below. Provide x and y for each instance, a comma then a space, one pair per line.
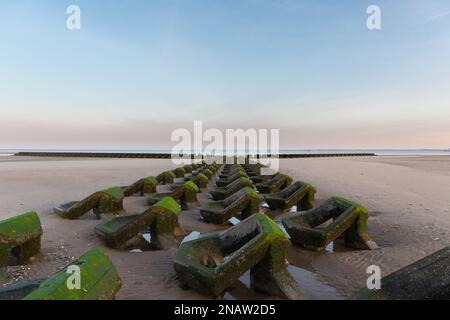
407, 198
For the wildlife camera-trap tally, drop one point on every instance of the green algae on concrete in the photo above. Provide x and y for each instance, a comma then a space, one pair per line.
184, 193
165, 177
170, 204
220, 193
201, 180
299, 193
222, 182
162, 219
191, 185
143, 186
104, 201
280, 181
179, 172
212, 263
225, 175
98, 280
348, 219
244, 203
426, 279
20, 237
208, 173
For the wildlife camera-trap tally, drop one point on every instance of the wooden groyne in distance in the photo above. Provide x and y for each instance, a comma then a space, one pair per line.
169, 155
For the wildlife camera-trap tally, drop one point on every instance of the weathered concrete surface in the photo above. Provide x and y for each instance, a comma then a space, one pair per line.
165, 177
220, 193
279, 181
143, 186
162, 219
348, 219
299, 193
20, 237
185, 194
99, 280
426, 279
105, 201
244, 202
212, 263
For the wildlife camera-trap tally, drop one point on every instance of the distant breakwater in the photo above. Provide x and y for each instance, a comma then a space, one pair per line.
169, 155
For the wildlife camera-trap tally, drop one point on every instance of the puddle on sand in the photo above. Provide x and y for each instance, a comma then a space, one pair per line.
313, 287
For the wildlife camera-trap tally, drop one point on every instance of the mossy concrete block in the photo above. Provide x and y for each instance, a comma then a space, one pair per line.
166, 177
179, 172
191, 185
99, 280
212, 263
280, 181
220, 193
143, 186
201, 180
208, 173
426, 279
299, 193
20, 236
348, 219
185, 194
162, 219
227, 175
262, 178
222, 182
243, 203
252, 169
105, 201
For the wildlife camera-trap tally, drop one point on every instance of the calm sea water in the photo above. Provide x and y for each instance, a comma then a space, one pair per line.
381, 152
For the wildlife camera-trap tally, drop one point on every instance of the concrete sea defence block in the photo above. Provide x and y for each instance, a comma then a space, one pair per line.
162, 219
299, 193
143, 186
20, 239
348, 219
165, 177
279, 181
212, 263
244, 203
426, 279
220, 193
98, 280
104, 201
179, 172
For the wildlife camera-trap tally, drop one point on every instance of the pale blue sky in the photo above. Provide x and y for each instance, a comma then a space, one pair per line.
139, 69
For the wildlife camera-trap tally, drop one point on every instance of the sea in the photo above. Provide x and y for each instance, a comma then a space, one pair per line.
380, 152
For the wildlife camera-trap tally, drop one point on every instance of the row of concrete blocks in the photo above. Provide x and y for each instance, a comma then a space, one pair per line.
20, 238
208, 264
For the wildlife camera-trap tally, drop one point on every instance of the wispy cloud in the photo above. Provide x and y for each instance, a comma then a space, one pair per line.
439, 16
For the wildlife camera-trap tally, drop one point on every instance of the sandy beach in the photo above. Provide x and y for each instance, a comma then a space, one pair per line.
407, 198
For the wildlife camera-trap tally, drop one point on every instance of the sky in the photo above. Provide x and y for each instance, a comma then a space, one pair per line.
137, 70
